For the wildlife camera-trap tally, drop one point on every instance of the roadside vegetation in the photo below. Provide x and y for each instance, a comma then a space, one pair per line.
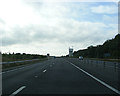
18, 57
109, 50
11, 59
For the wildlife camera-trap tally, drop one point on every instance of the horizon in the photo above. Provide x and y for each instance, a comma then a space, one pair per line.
57, 56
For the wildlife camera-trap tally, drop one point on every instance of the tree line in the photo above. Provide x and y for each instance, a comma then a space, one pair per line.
109, 49
20, 56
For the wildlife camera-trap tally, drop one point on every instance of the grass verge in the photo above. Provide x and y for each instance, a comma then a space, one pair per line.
10, 65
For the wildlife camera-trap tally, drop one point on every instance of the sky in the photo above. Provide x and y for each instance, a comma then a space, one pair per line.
41, 27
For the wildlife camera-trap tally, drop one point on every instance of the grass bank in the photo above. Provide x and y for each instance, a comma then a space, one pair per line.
9, 65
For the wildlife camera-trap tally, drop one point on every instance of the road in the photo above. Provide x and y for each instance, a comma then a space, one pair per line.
54, 76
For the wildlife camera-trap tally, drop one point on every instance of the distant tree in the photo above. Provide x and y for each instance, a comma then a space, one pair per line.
111, 46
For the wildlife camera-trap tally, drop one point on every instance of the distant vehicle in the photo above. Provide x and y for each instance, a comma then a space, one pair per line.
81, 58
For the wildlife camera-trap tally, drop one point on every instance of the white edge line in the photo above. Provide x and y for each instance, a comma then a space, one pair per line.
17, 91
19, 68
9, 71
13, 70
44, 70
103, 83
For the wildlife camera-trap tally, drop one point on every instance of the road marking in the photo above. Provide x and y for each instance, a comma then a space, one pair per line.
19, 68
10, 70
44, 71
17, 91
14, 69
103, 83
36, 76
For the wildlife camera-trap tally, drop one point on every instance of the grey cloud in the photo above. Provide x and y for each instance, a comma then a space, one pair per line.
8, 41
89, 37
19, 36
24, 36
66, 31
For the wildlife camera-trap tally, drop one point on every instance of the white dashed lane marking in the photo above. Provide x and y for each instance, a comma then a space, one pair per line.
44, 71
17, 91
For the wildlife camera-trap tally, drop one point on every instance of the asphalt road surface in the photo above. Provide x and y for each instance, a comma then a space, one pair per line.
54, 76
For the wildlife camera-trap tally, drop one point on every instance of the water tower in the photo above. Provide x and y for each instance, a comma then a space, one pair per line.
70, 52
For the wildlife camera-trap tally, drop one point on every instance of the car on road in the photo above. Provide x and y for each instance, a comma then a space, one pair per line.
80, 58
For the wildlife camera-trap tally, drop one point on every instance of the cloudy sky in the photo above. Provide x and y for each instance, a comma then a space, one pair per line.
38, 27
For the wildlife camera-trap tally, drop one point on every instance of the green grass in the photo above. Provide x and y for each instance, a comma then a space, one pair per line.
4, 66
